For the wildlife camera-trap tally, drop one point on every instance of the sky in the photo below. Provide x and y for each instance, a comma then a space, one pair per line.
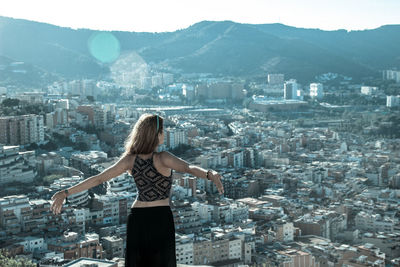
171, 15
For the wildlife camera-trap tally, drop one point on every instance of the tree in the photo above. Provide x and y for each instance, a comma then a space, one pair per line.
49, 146
7, 261
32, 146
82, 146
90, 98
10, 102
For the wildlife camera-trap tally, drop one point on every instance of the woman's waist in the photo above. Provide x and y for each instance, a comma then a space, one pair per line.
140, 204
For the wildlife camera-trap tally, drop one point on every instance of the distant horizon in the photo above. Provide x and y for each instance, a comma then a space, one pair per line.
269, 23
168, 16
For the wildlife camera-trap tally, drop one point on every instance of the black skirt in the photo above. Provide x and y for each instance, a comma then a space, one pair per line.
150, 240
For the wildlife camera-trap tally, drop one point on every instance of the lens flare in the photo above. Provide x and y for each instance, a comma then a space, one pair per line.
104, 46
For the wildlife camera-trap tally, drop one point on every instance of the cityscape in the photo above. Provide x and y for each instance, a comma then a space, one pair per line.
310, 167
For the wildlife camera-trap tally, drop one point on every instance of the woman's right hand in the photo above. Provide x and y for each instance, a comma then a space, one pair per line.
58, 200
216, 178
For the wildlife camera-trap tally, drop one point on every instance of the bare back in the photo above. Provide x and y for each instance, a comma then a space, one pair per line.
162, 169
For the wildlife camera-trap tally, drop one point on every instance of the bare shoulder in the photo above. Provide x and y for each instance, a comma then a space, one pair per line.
127, 161
163, 157
164, 154
169, 160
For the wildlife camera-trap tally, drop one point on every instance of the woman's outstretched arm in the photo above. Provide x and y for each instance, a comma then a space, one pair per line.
118, 168
171, 161
121, 166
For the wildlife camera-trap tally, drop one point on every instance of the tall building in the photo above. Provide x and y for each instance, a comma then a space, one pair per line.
14, 167
146, 83
392, 75
21, 130
290, 89
82, 88
62, 103
188, 92
89, 88
96, 115
168, 78
392, 101
284, 231
316, 90
175, 137
12, 211
374, 222
157, 80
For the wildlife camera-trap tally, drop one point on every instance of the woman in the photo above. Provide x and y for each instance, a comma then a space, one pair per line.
150, 226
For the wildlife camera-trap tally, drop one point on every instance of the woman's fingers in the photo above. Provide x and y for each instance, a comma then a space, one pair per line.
218, 183
56, 205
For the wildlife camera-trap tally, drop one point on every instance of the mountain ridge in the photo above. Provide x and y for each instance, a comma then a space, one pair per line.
217, 47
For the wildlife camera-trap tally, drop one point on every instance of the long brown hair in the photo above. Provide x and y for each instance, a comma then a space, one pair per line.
143, 138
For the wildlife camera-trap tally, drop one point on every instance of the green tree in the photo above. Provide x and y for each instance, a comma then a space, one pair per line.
90, 98
32, 146
8, 261
82, 146
49, 146
10, 102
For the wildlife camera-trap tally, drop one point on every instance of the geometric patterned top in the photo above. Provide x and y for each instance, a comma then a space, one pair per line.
151, 184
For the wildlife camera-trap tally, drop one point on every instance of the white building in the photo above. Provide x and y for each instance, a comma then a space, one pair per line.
32, 243
110, 208
3, 90
122, 183
14, 167
234, 212
146, 82
80, 198
369, 90
20, 130
188, 91
235, 157
62, 103
184, 250
290, 89
175, 137
157, 80
235, 249
316, 90
285, 231
168, 78
11, 212
392, 75
210, 160
392, 101
80, 217
374, 222
204, 211
248, 248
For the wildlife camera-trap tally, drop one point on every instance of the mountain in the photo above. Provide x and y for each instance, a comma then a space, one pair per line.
225, 48
54, 49
23, 75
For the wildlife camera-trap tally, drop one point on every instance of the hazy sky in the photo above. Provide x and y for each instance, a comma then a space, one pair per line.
170, 15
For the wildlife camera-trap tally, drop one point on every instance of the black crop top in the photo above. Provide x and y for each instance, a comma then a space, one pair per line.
151, 184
